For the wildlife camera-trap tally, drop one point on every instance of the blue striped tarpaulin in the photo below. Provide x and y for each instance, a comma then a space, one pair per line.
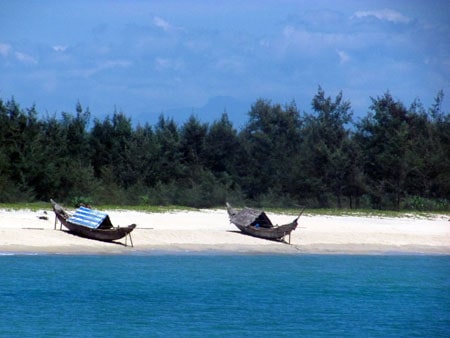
88, 217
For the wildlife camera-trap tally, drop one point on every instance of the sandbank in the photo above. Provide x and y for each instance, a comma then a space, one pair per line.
209, 231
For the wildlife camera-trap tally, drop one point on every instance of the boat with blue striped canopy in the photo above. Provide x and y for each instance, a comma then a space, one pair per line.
93, 224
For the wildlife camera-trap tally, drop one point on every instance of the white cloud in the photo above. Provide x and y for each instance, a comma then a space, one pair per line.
161, 23
293, 37
311, 43
100, 67
168, 64
162, 63
25, 58
228, 65
115, 63
165, 25
384, 14
4, 49
343, 56
107, 65
59, 48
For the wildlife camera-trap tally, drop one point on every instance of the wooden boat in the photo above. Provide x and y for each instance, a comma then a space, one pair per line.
255, 223
92, 224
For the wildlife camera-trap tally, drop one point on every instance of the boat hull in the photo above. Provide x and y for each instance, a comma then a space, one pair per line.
252, 228
107, 235
276, 233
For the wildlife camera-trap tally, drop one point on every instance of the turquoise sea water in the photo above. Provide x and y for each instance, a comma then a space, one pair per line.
214, 295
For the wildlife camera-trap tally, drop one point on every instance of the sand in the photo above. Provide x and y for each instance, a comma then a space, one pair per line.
209, 231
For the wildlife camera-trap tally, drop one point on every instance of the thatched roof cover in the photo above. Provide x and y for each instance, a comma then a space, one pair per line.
248, 216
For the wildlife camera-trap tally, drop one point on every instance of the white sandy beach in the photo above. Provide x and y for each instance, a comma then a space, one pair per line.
210, 231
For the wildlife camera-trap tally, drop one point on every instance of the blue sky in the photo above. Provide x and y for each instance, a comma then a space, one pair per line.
178, 58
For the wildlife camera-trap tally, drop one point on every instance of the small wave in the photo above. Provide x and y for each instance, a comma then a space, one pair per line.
20, 253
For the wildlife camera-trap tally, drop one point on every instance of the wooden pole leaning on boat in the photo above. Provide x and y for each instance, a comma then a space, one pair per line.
56, 222
131, 240
301, 212
56, 207
296, 220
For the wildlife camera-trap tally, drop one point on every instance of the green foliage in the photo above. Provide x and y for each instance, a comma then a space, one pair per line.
204, 190
82, 201
394, 158
419, 203
270, 148
403, 153
329, 168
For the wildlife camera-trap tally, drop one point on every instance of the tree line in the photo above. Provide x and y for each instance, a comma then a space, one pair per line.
393, 158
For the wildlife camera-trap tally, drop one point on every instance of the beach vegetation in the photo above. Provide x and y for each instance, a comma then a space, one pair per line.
395, 158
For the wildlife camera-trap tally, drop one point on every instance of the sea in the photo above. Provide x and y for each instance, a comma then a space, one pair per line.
224, 295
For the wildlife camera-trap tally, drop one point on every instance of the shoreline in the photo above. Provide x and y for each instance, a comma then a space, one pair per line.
209, 232
342, 250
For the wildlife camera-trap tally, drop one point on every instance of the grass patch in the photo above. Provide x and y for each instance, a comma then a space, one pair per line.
146, 208
37, 206
360, 213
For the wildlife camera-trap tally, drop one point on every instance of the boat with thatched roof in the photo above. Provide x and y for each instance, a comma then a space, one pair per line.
255, 223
